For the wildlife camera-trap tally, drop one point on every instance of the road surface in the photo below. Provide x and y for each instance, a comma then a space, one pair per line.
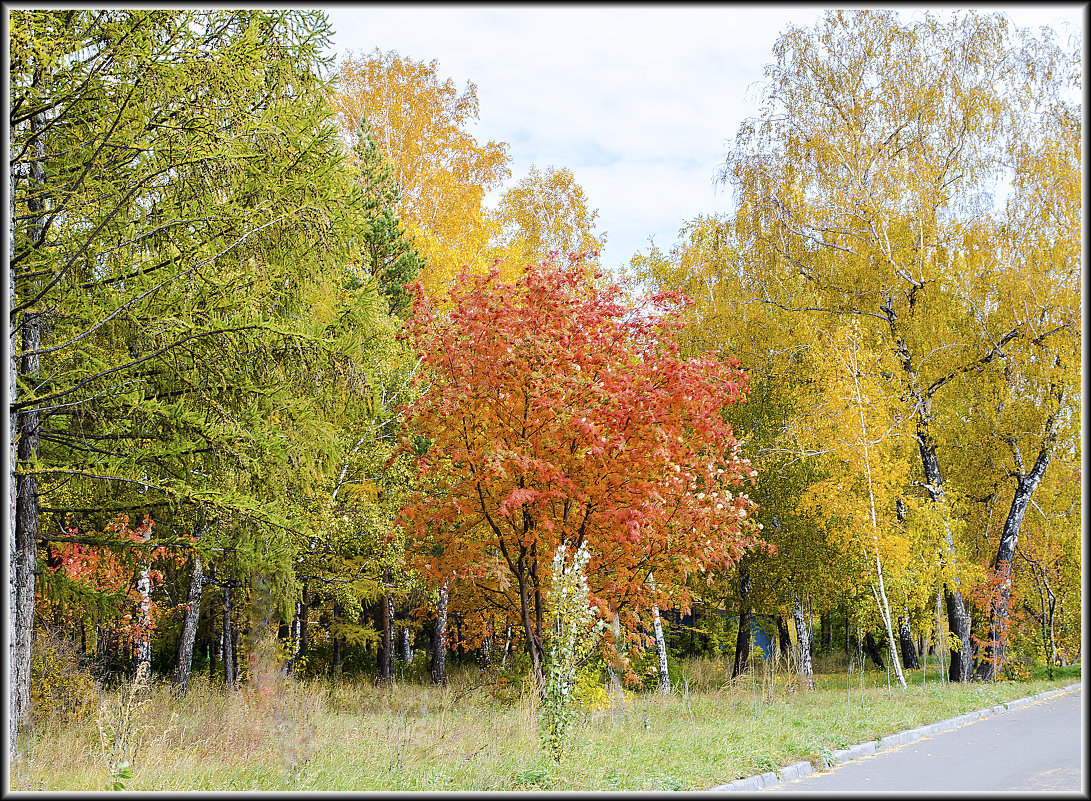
1034, 747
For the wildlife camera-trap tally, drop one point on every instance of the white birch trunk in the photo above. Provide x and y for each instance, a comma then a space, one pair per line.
803, 643
507, 647
660, 644
143, 645
615, 681
880, 593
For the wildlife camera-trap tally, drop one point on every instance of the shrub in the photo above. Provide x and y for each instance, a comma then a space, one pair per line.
61, 686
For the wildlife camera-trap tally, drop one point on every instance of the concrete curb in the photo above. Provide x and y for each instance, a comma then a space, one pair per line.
799, 769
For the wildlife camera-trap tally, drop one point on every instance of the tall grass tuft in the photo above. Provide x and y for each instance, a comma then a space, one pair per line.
115, 726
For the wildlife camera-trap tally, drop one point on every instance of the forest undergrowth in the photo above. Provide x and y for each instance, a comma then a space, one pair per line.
475, 734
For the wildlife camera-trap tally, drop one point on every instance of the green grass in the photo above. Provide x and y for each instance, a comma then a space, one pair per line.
276, 735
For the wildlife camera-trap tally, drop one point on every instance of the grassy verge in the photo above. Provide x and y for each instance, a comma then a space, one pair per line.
277, 735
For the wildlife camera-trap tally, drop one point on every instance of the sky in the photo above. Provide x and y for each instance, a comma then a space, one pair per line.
640, 102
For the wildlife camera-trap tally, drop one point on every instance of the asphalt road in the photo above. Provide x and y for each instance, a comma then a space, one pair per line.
1034, 747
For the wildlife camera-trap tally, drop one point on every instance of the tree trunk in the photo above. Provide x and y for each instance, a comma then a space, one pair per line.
338, 656
16, 680
439, 640
693, 632
825, 625
612, 669
958, 619
507, 647
26, 534
873, 651
304, 622
996, 649
190, 617
884, 611
660, 644
213, 655
384, 673
528, 629
486, 651
143, 645
784, 638
909, 651
803, 639
742, 639
228, 647
24, 506
407, 649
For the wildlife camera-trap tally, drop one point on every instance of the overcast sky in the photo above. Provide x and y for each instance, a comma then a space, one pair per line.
640, 103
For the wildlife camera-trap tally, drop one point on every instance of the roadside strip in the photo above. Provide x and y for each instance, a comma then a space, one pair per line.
799, 769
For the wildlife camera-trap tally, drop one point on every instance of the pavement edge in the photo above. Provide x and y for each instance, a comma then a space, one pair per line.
799, 769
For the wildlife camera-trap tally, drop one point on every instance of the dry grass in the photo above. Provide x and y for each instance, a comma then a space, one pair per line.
277, 734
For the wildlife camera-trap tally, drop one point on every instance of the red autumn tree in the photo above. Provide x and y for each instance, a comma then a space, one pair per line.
112, 579
555, 413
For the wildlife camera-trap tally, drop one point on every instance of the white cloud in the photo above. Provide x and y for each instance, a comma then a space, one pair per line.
639, 102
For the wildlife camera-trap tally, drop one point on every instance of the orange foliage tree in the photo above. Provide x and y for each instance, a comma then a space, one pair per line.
555, 413
103, 575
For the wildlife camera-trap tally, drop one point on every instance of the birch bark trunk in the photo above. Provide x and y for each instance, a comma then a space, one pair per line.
612, 669
143, 645
660, 644
803, 642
